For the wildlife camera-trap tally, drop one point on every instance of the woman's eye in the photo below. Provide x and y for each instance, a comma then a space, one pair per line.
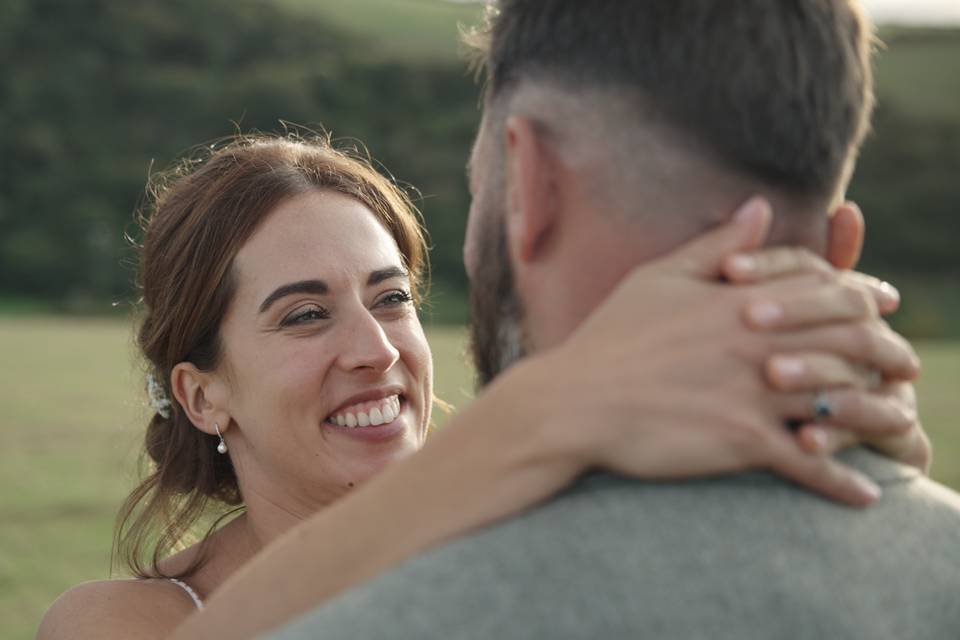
395, 298
304, 315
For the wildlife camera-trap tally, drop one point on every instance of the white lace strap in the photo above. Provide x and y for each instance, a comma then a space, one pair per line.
190, 592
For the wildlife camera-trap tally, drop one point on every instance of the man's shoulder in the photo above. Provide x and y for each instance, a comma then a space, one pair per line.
758, 507
614, 557
905, 489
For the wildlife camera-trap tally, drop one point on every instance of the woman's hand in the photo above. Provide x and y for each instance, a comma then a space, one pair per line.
675, 334
866, 408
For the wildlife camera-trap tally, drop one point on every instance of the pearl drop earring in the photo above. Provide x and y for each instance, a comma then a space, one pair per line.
222, 447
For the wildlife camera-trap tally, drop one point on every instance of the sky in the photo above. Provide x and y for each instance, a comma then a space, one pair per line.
932, 12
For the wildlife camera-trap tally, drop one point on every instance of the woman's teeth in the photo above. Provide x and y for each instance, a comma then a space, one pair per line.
367, 414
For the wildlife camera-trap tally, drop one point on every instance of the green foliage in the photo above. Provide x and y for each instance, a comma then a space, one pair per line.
907, 185
917, 71
102, 92
97, 93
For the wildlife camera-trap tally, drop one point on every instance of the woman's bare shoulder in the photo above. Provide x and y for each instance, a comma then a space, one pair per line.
108, 609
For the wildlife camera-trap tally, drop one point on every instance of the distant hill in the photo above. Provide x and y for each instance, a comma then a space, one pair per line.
417, 29
918, 70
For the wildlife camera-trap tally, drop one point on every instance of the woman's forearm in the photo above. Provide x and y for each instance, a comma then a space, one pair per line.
492, 460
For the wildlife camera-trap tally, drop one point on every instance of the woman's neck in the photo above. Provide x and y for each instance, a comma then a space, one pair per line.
230, 547
237, 542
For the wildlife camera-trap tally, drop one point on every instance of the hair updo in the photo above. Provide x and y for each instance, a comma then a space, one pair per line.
197, 216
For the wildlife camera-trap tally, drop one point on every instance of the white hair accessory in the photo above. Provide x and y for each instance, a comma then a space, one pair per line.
159, 401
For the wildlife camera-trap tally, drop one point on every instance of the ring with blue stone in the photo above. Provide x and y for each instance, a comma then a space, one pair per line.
822, 409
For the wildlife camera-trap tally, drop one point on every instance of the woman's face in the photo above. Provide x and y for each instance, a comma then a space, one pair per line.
328, 370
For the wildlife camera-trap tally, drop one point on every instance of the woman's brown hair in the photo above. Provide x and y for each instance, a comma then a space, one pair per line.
197, 217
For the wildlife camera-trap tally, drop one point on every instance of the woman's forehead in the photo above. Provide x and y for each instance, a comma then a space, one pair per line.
320, 234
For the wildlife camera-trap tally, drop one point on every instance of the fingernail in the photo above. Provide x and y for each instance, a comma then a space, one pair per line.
915, 365
819, 437
788, 367
891, 293
869, 488
908, 415
744, 265
765, 314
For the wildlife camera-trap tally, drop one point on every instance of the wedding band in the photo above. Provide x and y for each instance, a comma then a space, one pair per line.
822, 409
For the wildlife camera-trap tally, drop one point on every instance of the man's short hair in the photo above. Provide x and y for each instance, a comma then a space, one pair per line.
781, 90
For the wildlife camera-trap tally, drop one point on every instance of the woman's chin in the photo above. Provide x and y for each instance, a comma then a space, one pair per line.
371, 448
375, 457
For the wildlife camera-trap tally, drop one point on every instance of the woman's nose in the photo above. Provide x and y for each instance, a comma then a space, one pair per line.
366, 345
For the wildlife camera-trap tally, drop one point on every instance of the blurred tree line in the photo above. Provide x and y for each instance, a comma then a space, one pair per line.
95, 92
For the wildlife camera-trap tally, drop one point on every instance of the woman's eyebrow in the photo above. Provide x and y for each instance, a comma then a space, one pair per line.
318, 287
380, 275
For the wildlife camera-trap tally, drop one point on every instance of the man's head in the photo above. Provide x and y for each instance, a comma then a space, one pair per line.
613, 131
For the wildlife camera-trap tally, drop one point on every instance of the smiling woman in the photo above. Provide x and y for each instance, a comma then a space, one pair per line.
344, 342
227, 242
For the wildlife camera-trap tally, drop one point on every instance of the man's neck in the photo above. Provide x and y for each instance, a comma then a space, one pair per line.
597, 252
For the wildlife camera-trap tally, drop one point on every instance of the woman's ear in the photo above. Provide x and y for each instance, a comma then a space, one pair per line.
202, 395
531, 204
845, 236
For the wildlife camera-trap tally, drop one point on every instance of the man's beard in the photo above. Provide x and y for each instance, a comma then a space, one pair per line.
496, 315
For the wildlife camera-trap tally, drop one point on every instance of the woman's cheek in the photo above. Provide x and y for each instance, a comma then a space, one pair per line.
408, 338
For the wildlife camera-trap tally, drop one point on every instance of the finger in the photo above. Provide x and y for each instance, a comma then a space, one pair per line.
881, 297
822, 474
886, 295
815, 371
826, 303
903, 391
864, 413
783, 262
769, 264
820, 439
704, 255
912, 448
871, 344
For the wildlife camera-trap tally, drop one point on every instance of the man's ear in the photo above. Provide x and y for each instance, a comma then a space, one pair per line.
531, 203
845, 236
202, 395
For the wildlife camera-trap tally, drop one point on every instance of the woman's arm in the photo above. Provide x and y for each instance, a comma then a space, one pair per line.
651, 396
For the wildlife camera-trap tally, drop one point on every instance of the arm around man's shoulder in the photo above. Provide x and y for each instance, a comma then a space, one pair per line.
106, 609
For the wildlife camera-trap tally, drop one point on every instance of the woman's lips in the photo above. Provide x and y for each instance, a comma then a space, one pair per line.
374, 420
368, 414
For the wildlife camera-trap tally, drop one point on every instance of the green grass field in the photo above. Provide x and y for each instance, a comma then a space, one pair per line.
70, 425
